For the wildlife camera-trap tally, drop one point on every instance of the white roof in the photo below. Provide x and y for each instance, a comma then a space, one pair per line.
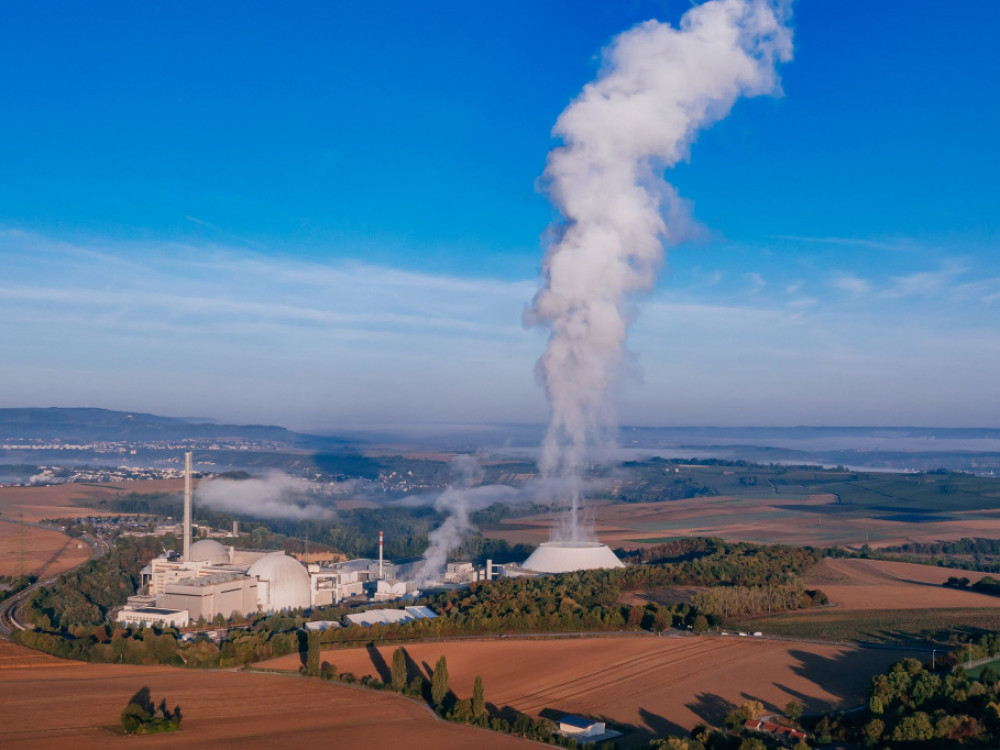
387, 616
563, 557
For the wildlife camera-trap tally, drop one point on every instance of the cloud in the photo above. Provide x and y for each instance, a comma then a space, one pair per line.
848, 282
893, 245
925, 282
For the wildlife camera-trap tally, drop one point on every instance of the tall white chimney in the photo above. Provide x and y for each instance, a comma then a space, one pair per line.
380, 576
187, 506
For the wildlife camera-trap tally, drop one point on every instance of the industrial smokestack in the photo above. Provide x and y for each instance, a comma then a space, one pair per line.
236, 528
187, 506
380, 556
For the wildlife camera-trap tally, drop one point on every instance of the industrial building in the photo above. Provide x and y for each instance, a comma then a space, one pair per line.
209, 579
564, 557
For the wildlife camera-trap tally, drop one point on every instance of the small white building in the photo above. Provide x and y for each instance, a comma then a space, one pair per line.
390, 616
144, 617
577, 726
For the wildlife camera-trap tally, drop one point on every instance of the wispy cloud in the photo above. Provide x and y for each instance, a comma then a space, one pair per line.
925, 282
848, 282
894, 245
757, 282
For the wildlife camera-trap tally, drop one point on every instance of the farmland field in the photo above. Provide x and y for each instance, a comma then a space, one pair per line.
818, 520
46, 552
651, 685
66, 500
46, 702
854, 584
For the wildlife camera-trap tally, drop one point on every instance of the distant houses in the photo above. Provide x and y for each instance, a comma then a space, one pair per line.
774, 729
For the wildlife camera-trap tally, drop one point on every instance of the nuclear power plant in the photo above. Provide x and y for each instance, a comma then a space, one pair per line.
209, 579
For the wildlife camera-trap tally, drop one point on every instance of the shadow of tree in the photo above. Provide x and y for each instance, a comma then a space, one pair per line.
710, 708
412, 668
378, 662
845, 675
144, 699
660, 725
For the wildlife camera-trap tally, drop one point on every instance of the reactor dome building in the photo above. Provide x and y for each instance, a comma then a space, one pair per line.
282, 582
564, 557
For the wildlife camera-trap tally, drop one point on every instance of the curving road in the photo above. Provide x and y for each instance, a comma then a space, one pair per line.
10, 609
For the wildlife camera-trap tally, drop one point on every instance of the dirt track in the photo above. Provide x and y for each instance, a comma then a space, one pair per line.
46, 702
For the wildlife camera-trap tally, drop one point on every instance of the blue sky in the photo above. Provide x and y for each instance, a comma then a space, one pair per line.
329, 215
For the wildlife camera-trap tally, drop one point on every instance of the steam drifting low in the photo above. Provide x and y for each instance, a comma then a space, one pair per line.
658, 87
273, 496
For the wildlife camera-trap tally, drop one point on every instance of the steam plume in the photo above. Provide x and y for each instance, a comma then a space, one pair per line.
273, 496
658, 86
455, 501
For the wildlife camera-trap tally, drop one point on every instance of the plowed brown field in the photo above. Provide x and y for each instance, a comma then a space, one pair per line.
761, 520
56, 501
45, 552
46, 702
654, 685
879, 584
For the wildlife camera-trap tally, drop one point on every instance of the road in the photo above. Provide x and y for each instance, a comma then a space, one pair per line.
10, 610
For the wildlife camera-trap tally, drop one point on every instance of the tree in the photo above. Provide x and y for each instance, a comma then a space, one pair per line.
133, 718
914, 728
700, 624
439, 682
793, 710
398, 679
478, 699
312, 653
749, 710
872, 732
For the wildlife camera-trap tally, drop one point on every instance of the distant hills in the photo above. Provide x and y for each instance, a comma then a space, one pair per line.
85, 424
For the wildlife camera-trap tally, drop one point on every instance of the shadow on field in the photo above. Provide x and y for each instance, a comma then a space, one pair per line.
810, 703
660, 726
381, 668
710, 708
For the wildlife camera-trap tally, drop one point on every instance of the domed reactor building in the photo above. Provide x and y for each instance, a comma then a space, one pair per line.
209, 579
564, 557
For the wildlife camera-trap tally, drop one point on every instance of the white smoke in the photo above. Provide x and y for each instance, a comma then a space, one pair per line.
457, 501
658, 86
274, 496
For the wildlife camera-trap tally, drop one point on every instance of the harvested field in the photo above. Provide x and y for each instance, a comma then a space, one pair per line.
816, 520
46, 552
884, 585
654, 685
902, 627
57, 500
46, 702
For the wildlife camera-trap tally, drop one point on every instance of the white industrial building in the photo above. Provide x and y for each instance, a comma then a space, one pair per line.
209, 579
390, 616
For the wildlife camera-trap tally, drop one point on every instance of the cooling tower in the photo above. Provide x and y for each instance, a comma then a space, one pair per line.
562, 557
